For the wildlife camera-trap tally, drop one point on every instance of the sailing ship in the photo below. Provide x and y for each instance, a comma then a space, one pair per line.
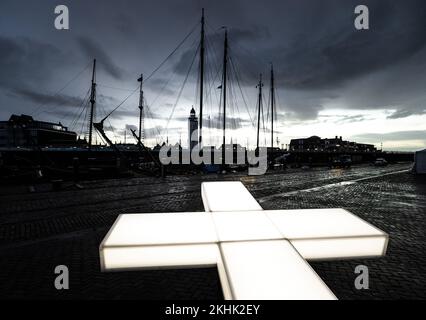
93, 155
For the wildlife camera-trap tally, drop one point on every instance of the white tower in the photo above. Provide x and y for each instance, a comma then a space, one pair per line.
192, 130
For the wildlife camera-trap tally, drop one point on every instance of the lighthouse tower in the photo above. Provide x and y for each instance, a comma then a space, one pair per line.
192, 130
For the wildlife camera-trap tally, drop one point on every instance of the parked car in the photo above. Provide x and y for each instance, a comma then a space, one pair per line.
380, 162
343, 161
279, 163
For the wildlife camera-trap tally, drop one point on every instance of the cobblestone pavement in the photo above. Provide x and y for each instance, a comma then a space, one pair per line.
41, 230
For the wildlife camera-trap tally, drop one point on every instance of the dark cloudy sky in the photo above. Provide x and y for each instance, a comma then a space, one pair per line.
331, 78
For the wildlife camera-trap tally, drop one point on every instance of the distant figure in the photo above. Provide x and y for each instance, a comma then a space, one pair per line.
76, 167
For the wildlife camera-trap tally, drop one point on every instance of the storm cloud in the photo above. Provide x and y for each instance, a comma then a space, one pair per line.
26, 62
93, 50
321, 61
45, 99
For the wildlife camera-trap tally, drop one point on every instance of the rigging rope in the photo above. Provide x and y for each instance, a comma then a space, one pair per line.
242, 93
82, 108
112, 87
35, 112
183, 86
155, 70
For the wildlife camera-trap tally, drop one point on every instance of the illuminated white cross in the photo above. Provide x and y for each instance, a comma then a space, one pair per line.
260, 254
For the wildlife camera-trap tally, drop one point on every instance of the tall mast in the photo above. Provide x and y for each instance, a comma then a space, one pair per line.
260, 85
225, 63
202, 49
272, 106
141, 108
92, 103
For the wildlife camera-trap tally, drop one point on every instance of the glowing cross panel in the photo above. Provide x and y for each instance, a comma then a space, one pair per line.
162, 229
319, 234
253, 259
271, 269
259, 254
227, 196
160, 240
243, 226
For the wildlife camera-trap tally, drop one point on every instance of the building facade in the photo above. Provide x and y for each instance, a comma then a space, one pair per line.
192, 130
24, 131
335, 144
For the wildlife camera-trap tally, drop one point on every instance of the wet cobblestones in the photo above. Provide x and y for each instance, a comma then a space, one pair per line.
42, 230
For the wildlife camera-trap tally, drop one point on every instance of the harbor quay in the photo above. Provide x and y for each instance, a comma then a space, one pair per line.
44, 229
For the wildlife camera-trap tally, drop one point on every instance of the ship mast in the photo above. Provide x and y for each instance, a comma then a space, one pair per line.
272, 106
141, 108
92, 103
225, 63
202, 50
260, 85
